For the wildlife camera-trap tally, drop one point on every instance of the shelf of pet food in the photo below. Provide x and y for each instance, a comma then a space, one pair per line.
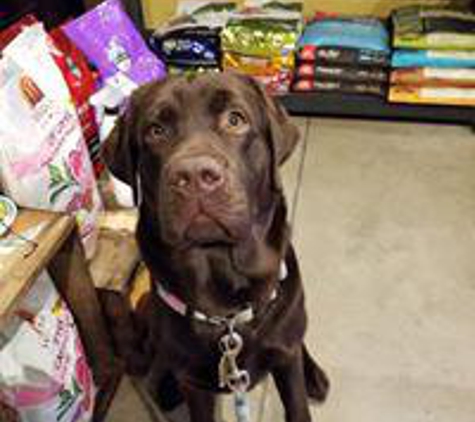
366, 106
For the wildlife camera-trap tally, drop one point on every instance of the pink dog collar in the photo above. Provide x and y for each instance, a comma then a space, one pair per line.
181, 308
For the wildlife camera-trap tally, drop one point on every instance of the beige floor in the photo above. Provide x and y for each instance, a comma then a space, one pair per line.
385, 230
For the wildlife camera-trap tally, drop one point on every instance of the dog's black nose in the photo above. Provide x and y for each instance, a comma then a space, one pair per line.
197, 174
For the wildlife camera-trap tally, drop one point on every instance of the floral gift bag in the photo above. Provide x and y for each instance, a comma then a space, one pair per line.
45, 376
44, 161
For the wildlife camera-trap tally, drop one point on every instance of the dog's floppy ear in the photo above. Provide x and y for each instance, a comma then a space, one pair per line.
283, 133
120, 151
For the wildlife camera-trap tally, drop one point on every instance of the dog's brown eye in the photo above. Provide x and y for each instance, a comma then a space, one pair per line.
236, 119
235, 122
157, 131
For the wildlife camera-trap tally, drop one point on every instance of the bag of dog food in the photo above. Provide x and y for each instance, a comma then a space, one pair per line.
190, 71
44, 161
341, 87
188, 46
261, 36
433, 58
427, 27
353, 33
342, 56
45, 376
192, 39
432, 95
340, 73
434, 77
107, 36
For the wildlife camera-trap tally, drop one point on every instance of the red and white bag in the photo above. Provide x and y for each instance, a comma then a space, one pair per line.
45, 376
82, 85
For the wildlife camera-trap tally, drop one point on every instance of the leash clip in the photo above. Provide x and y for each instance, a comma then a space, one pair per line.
230, 375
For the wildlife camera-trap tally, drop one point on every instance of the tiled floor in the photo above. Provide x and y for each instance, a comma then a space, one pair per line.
385, 231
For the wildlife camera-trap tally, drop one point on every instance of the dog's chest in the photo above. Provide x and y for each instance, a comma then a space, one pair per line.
202, 363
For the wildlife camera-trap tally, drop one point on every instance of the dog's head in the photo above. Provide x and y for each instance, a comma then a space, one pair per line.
204, 154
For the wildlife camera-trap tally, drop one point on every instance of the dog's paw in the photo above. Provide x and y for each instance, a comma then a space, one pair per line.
318, 387
316, 381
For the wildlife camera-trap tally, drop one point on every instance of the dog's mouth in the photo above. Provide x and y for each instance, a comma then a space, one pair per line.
205, 222
207, 231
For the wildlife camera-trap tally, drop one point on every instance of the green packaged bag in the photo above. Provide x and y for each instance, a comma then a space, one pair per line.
264, 36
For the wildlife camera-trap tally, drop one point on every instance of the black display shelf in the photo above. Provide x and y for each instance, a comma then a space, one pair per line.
365, 106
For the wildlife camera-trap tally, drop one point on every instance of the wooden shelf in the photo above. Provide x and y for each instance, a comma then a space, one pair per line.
20, 268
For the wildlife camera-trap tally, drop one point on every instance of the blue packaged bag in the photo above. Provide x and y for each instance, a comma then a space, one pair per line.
357, 33
433, 58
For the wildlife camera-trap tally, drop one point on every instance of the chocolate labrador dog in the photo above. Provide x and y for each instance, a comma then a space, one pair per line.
202, 156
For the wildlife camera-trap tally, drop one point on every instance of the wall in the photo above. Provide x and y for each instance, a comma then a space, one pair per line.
156, 11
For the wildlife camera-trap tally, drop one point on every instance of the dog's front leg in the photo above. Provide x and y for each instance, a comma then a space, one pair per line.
201, 404
290, 381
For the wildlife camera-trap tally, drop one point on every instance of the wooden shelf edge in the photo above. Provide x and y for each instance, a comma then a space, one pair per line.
58, 227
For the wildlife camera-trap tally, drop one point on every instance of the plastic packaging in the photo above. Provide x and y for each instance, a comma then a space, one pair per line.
342, 87
433, 58
331, 73
108, 103
342, 56
45, 375
44, 162
432, 95
189, 46
82, 83
434, 27
429, 76
262, 36
107, 36
356, 33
